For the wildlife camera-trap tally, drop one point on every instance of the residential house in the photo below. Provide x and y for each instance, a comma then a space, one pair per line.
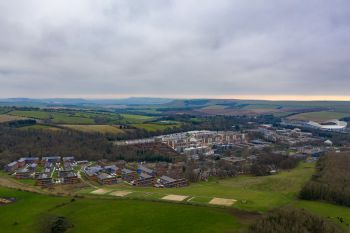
106, 179
168, 182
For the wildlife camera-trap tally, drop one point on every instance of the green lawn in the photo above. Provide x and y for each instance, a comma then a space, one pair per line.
251, 193
98, 215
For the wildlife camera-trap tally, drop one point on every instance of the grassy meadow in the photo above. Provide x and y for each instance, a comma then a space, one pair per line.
99, 215
7, 118
56, 117
155, 126
105, 129
319, 116
136, 119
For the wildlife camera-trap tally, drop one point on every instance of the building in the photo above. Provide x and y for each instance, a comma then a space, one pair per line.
23, 173
142, 169
27, 160
332, 125
69, 177
168, 182
92, 172
32, 166
128, 175
144, 180
106, 179
11, 167
112, 170
51, 159
44, 180
69, 159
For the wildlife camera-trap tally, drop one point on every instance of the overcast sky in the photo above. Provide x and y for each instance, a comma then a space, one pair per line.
174, 48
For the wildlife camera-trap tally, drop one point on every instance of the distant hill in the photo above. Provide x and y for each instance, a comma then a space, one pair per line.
82, 102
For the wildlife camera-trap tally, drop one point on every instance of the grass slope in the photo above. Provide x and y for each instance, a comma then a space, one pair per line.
154, 127
326, 210
319, 116
104, 129
7, 118
252, 193
56, 117
98, 215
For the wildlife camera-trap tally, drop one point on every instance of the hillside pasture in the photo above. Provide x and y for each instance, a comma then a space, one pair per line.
54, 117
104, 129
136, 119
320, 116
40, 127
154, 126
8, 118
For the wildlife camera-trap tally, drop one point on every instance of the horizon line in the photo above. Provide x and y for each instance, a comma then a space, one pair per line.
214, 97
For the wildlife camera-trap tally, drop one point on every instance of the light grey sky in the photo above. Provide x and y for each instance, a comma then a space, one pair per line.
174, 48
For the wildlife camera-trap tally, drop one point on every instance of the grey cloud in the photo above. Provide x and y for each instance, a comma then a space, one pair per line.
174, 48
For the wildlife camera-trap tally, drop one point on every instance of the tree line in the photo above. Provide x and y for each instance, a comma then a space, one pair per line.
15, 143
292, 220
331, 181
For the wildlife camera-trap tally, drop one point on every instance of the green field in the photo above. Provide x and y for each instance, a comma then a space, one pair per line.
104, 129
252, 193
7, 118
98, 215
154, 126
40, 127
56, 117
136, 119
319, 116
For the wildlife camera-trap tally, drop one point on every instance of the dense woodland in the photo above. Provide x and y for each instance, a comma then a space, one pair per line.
290, 220
267, 162
331, 181
16, 143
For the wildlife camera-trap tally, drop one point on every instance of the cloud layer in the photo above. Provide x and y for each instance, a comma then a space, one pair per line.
65, 48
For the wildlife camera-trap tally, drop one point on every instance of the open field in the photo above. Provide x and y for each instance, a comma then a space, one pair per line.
110, 129
55, 117
251, 193
154, 127
136, 119
7, 118
99, 215
40, 127
319, 116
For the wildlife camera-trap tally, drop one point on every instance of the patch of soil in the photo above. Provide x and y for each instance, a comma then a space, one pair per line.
6, 200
